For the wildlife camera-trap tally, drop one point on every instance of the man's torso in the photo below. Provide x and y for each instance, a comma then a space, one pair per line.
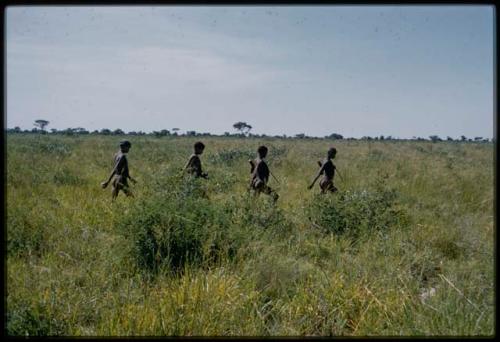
121, 164
261, 170
195, 165
328, 168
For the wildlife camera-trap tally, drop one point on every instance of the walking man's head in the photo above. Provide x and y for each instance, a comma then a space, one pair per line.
262, 151
125, 146
332, 152
199, 147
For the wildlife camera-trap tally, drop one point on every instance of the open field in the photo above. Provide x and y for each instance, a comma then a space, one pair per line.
405, 248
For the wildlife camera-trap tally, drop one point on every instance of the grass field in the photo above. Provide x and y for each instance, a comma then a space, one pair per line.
405, 248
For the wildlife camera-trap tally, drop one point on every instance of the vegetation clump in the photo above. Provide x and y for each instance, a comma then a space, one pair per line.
231, 156
355, 212
180, 226
24, 320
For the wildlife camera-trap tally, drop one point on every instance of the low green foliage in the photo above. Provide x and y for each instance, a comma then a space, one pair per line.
229, 157
358, 212
171, 228
24, 320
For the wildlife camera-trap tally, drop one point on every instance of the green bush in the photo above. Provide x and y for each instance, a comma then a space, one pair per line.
24, 320
228, 157
356, 212
179, 226
277, 152
166, 232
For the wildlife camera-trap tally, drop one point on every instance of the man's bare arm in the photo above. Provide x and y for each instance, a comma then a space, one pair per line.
317, 176
115, 168
105, 184
314, 181
188, 163
252, 165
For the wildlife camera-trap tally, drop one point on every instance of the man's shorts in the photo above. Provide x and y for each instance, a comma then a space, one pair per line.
327, 185
120, 183
260, 186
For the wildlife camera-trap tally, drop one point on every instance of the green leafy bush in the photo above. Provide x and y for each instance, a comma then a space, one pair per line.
24, 320
228, 157
277, 152
356, 212
179, 225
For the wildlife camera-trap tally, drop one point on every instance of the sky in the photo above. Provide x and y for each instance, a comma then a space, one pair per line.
404, 71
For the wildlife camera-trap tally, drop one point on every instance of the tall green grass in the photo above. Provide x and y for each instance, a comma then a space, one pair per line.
404, 249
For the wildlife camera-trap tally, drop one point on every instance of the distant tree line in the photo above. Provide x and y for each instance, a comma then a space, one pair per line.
166, 132
243, 131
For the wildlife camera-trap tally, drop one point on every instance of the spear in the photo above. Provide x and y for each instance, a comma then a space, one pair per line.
274, 177
339, 174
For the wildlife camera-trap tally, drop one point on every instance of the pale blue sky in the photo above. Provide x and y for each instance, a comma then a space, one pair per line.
355, 70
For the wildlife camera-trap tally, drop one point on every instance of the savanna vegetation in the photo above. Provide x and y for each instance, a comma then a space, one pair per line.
406, 247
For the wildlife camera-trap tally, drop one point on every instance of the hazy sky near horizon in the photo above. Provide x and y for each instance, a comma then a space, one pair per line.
355, 70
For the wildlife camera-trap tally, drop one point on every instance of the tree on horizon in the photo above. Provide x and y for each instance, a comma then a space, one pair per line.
41, 123
243, 127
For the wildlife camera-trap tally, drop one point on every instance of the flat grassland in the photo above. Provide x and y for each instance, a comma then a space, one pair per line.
405, 248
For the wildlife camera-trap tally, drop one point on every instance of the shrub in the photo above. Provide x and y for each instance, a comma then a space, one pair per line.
228, 157
24, 320
277, 152
167, 232
356, 212
179, 226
